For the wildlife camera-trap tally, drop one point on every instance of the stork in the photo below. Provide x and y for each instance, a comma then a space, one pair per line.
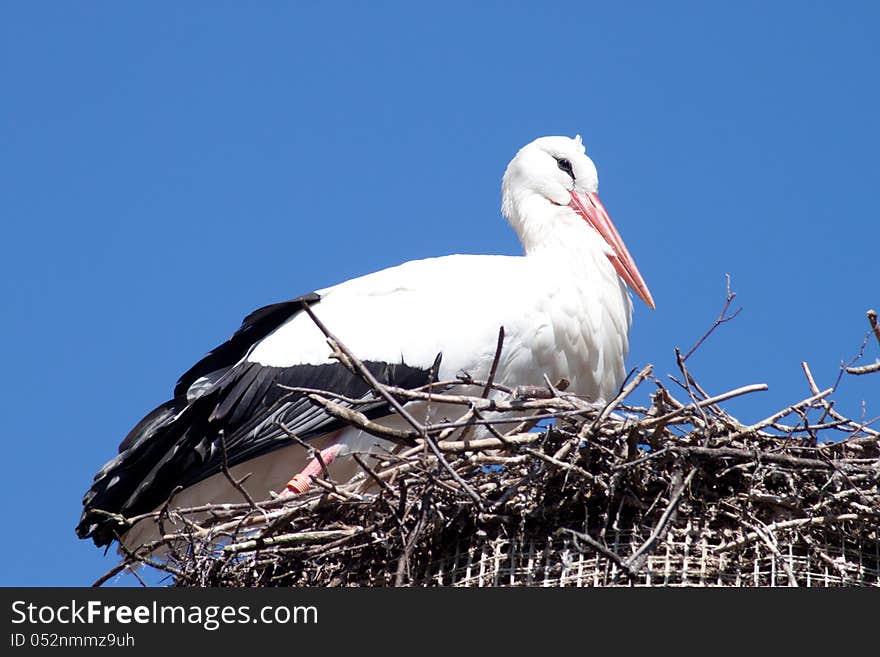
563, 305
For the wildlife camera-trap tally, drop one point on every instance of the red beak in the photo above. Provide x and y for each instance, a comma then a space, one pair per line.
593, 212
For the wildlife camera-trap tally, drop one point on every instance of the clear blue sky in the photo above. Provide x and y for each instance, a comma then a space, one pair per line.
168, 167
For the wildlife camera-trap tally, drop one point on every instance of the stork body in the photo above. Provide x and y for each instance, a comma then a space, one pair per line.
563, 305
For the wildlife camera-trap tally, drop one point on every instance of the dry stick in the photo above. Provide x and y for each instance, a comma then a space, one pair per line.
538, 398
512, 488
495, 361
533, 419
863, 427
875, 327
273, 523
845, 366
568, 467
752, 455
463, 380
372, 474
828, 408
237, 484
469, 419
838, 469
330, 547
718, 322
809, 428
664, 419
311, 452
358, 367
355, 365
598, 547
194, 510
335, 492
788, 524
118, 568
698, 388
863, 369
496, 459
815, 389
701, 421
395, 466
140, 579
433, 373
490, 443
491, 428
719, 412
280, 514
359, 420
688, 379
556, 391
840, 568
771, 543
297, 538
563, 451
468, 430
632, 385
166, 513
158, 565
754, 428
639, 461
661, 399
403, 561
637, 560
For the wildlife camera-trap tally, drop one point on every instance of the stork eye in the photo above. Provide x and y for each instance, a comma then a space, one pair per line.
565, 165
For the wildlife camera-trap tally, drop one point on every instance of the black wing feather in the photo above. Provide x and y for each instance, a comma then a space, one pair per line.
254, 328
179, 443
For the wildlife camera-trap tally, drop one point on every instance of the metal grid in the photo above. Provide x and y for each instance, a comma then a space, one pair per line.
686, 557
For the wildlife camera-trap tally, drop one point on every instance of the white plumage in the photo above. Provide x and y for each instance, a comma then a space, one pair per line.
553, 323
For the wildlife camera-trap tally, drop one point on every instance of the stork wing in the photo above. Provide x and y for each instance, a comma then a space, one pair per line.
226, 400
397, 321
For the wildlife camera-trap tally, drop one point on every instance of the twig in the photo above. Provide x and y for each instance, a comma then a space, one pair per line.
637, 560
372, 474
622, 395
359, 420
357, 366
578, 537
296, 538
863, 369
132, 557
770, 542
665, 419
237, 484
491, 380
809, 401
875, 327
351, 361
403, 561
722, 318
786, 524
118, 568
828, 408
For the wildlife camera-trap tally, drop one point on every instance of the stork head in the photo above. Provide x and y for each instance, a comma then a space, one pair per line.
551, 184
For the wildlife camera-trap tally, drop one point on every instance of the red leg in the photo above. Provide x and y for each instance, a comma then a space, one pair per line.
301, 482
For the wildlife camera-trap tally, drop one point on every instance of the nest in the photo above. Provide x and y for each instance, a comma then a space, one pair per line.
676, 493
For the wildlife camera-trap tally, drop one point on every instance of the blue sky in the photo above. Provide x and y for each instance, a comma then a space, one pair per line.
168, 167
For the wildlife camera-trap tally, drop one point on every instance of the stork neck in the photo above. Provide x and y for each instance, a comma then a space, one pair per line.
548, 229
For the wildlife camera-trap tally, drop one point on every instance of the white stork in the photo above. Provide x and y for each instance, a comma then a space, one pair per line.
563, 305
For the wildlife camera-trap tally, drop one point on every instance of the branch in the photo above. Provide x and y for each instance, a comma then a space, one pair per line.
722, 319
